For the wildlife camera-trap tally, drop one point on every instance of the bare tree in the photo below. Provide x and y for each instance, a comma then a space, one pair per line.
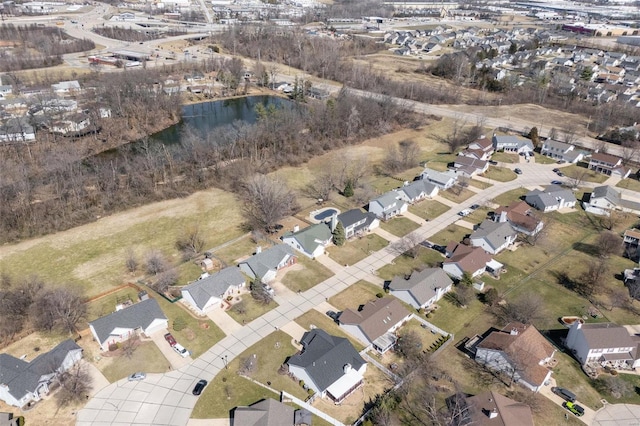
609, 221
156, 262
266, 201
629, 151
615, 386
409, 245
409, 345
590, 279
569, 133
191, 242
527, 308
60, 308
608, 244
131, 261
165, 279
75, 385
248, 365
321, 186
130, 345
260, 293
575, 179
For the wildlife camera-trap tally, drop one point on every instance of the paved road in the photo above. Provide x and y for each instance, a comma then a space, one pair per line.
165, 399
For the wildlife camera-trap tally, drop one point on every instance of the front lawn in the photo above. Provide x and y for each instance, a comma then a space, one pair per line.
509, 197
629, 183
146, 358
399, 226
505, 157
429, 209
356, 249
479, 184
458, 196
405, 265
312, 274
356, 294
543, 159
250, 310
450, 233
229, 390
580, 170
501, 174
462, 322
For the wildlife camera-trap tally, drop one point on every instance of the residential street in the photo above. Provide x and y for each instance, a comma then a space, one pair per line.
165, 399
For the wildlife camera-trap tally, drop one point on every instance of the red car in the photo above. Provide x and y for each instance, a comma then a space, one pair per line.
169, 338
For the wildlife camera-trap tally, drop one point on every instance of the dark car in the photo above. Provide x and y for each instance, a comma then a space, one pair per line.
199, 387
333, 315
556, 170
574, 408
560, 174
169, 338
517, 171
474, 206
563, 393
556, 182
441, 249
493, 162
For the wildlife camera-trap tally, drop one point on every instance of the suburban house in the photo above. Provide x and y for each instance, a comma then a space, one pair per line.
269, 412
463, 259
265, 264
210, 290
605, 198
492, 236
66, 87
375, 323
519, 215
388, 205
421, 289
493, 409
631, 237
519, 351
417, 190
329, 365
17, 129
608, 164
311, 241
356, 222
22, 382
469, 167
510, 143
144, 317
443, 180
603, 344
561, 151
551, 198
480, 149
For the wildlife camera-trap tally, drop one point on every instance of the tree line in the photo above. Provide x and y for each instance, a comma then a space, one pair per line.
127, 34
37, 47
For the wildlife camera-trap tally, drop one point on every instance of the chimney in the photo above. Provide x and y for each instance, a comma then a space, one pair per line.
258, 249
493, 414
503, 216
296, 228
143, 295
514, 331
347, 368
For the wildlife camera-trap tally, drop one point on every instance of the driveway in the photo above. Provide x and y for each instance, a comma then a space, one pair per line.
589, 414
175, 360
617, 414
98, 381
223, 320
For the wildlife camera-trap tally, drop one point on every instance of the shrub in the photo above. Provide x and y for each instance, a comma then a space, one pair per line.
379, 295
179, 324
301, 383
310, 392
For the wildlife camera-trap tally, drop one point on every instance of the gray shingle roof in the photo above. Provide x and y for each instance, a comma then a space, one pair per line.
417, 187
214, 285
309, 236
388, 199
267, 412
23, 377
324, 357
422, 285
268, 260
606, 192
352, 216
495, 233
142, 314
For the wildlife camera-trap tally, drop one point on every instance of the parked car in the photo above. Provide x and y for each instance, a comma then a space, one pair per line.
556, 170
565, 394
574, 408
268, 289
137, 376
333, 315
440, 249
556, 182
474, 206
465, 212
169, 338
493, 162
560, 174
181, 350
517, 171
197, 390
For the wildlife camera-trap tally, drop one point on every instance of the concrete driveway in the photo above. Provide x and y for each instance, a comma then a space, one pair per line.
589, 414
98, 380
175, 360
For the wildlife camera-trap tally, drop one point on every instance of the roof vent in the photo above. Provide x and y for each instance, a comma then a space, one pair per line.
493, 414
258, 250
514, 331
296, 228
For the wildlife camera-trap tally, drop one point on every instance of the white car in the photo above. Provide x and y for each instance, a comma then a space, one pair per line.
465, 212
181, 350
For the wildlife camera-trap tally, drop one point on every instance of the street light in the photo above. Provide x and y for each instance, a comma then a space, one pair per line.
225, 361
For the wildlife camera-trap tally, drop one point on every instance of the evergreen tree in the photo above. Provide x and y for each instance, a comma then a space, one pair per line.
535, 138
339, 237
348, 189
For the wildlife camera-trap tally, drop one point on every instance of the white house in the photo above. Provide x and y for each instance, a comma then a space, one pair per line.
388, 205
265, 264
603, 344
356, 222
311, 241
468, 166
329, 365
609, 165
510, 143
144, 317
443, 180
551, 198
423, 288
17, 130
493, 237
66, 87
210, 290
604, 198
376, 322
561, 151
22, 382
417, 190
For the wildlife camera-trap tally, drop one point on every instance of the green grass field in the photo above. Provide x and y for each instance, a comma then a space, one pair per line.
450, 233
501, 174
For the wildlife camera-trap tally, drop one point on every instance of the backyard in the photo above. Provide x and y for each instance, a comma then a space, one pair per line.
453, 232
